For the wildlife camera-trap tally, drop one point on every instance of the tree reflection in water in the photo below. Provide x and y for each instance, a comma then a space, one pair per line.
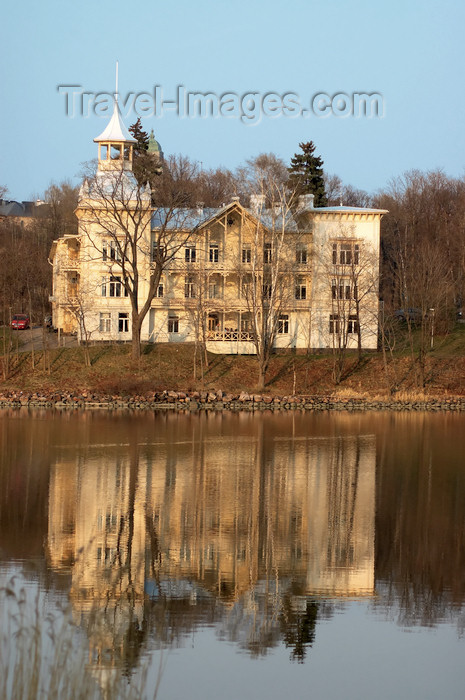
257, 525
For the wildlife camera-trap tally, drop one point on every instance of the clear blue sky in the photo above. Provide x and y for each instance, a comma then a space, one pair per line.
410, 52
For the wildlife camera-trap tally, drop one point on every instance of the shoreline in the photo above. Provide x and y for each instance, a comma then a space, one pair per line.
222, 401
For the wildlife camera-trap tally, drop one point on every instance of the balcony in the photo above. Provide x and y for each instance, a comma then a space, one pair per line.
230, 342
70, 262
229, 334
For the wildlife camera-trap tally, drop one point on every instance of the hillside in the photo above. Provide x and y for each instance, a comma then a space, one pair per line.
169, 366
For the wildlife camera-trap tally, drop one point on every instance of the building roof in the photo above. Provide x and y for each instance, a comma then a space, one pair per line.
182, 218
349, 210
191, 218
115, 129
11, 209
21, 209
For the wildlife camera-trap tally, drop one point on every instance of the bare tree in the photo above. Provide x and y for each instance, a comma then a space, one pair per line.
261, 175
423, 245
196, 297
338, 193
189, 184
268, 283
79, 307
116, 216
422, 207
350, 279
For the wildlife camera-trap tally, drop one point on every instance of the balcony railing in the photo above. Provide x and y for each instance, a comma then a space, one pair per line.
230, 334
70, 262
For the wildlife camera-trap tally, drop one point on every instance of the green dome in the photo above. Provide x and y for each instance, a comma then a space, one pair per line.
154, 146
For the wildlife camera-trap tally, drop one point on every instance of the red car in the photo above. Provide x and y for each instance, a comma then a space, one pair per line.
20, 322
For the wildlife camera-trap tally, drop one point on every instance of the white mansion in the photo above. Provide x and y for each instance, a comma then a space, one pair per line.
306, 276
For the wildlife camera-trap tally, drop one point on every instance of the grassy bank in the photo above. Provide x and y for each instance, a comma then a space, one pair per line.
168, 366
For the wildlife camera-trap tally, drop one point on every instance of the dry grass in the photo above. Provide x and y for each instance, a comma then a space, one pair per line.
43, 656
166, 366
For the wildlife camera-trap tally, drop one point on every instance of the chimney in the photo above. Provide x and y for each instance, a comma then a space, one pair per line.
200, 206
305, 202
257, 203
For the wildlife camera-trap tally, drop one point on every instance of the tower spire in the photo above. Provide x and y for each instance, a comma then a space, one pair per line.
115, 141
116, 84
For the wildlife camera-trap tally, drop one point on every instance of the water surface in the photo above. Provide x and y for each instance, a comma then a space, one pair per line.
317, 555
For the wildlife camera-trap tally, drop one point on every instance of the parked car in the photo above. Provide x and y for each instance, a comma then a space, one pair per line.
412, 315
20, 322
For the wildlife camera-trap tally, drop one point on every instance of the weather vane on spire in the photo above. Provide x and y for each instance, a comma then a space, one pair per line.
116, 81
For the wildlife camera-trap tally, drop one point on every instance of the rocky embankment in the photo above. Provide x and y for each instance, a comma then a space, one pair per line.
218, 400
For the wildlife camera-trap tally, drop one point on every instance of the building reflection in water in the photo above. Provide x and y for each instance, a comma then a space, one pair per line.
250, 531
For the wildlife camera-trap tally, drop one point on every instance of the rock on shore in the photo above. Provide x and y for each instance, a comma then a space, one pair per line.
218, 400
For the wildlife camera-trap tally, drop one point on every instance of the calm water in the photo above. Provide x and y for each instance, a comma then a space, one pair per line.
246, 556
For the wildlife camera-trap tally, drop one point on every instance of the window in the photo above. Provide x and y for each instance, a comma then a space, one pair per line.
213, 322
173, 324
214, 290
283, 324
246, 287
105, 323
352, 324
110, 251
246, 255
115, 286
189, 254
334, 323
301, 289
213, 253
160, 291
267, 290
341, 289
158, 252
123, 322
115, 251
103, 151
103, 286
267, 253
301, 256
115, 152
189, 288
346, 253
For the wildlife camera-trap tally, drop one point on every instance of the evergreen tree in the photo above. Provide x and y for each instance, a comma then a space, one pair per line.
141, 137
306, 174
144, 166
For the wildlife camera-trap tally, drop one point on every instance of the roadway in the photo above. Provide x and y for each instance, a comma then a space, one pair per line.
34, 338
